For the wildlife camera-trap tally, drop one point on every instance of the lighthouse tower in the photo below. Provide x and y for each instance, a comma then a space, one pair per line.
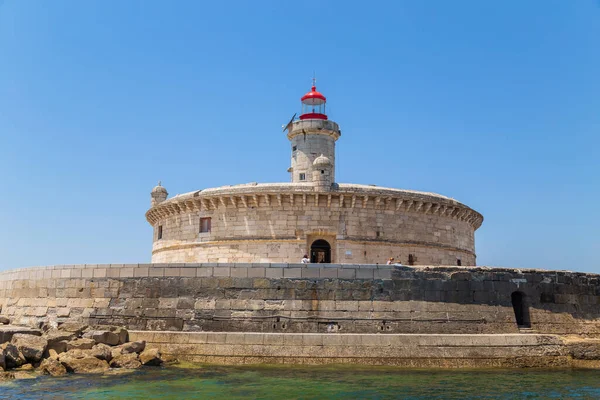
313, 139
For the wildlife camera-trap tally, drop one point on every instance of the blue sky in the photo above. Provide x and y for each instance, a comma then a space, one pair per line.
495, 104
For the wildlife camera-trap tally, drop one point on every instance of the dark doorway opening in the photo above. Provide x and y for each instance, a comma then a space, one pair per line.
320, 252
521, 309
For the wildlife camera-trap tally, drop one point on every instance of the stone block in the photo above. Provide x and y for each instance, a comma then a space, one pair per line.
274, 272
292, 272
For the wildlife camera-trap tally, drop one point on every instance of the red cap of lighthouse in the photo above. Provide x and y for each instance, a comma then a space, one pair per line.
313, 104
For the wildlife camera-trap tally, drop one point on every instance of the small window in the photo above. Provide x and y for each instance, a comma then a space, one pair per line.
204, 225
411, 259
302, 177
458, 262
294, 148
159, 234
322, 171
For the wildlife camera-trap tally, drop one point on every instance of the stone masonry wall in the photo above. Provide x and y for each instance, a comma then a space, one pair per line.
304, 298
269, 231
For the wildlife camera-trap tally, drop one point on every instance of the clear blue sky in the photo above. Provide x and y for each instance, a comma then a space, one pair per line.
493, 103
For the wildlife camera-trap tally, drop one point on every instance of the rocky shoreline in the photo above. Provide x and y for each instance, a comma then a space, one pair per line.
70, 347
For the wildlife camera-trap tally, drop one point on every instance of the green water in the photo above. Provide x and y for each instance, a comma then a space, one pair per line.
293, 382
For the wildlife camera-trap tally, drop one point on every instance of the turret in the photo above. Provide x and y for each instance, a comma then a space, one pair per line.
313, 138
322, 175
158, 195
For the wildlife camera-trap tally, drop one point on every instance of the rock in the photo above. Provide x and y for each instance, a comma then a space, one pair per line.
24, 375
52, 367
6, 376
4, 320
80, 362
7, 332
49, 325
52, 354
115, 351
71, 326
81, 344
169, 359
110, 335
129, 361
56, 335
133, 347
2, 361
101, 351
25, 367
150, 357
32, 347
58, 347
12, 356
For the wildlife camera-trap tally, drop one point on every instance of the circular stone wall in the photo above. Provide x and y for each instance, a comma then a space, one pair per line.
279, 223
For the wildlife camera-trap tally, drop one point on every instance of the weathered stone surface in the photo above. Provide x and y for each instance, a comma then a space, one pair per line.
25, 367
85, 365
133, 347
13, 357
73, 326
101, 351
110, 335
56, 335
32, 347
4, 320
6, 376
585, 351
58, 347
2, 361
129, 361
150, 357
7, 332
52, 366
81, 344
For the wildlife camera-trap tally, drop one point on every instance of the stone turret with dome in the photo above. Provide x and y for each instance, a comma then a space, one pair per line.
333, 222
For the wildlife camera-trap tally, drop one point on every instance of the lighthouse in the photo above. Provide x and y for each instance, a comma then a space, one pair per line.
313, 138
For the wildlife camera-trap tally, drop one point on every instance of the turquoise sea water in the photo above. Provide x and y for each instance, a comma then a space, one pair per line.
293, 382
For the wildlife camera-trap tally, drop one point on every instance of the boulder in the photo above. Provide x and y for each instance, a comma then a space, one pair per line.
72, 326
115, 351
4, 320
85, 365
150, 357
25, 367
59, 347
52, 354
133, 347
55, 335
101, 351
81, 344
2, 361
52, 367
129, 361
110, 335
8, 331
31, 346
12, 356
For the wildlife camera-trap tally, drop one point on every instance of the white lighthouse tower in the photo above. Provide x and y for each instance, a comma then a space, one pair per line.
313, 139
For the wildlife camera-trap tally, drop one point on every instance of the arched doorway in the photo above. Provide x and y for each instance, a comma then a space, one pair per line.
521, 309
320, 252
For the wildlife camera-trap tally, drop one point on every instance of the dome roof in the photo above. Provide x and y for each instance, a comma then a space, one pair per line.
159, 189
321, 161
313, 97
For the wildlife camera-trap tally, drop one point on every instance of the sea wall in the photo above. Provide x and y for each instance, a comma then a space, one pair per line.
300, 298
404, 350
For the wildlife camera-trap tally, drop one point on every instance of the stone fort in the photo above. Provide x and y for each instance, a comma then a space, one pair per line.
313, 214
226, 284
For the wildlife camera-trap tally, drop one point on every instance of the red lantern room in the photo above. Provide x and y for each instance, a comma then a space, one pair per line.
313, 104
